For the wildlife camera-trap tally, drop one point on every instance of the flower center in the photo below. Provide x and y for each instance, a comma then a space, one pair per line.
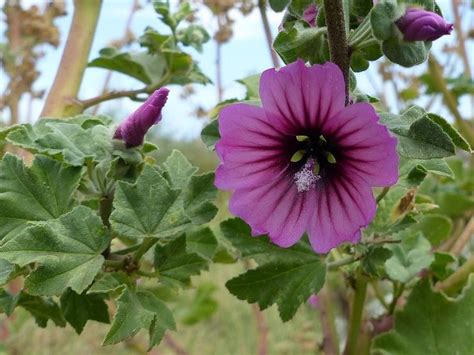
313, 156
306, 178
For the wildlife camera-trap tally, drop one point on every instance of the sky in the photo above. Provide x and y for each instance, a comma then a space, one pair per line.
246, 54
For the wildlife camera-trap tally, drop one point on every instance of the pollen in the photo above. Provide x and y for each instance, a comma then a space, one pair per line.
305, 179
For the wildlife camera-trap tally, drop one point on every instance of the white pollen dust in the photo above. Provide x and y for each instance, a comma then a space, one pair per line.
305, 179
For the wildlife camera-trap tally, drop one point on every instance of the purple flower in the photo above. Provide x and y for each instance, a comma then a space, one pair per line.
310, 13
303, 162
133, 129
421, 25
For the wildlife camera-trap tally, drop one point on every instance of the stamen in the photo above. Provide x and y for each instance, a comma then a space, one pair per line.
305, 179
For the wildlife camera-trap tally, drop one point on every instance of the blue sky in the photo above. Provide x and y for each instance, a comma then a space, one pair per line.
245, 54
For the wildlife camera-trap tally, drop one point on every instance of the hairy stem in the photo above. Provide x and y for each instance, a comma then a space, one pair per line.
61, 100
356, 315
268, 33
382, 194
338, 47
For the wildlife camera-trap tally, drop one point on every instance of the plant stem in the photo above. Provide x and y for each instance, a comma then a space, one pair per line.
268, 33
326, 314
461, 38
336, 264
132, 94
114, 264
338, 47
356, 315
382, 194
456, 280
146, 245
397, 292
61, 100
464, 238
262, 330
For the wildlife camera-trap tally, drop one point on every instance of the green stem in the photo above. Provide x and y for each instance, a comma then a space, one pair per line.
336, 264
147, 274
397, 292
326, 314
379, 294
361, 33
61, 100
114, 264
146, 245
356, 315
382, 194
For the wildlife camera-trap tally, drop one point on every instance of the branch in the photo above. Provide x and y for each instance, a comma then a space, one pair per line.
61, 98
338, 47
326, 315
132, 94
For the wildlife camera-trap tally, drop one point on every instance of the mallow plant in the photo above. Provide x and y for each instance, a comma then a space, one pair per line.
335, 200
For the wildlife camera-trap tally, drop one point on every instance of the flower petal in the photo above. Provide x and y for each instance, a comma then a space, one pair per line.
251, 150
345, 204
366, 147
302, 97
276, 208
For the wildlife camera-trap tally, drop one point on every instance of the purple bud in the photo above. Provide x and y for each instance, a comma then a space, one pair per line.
309, 15
314, 301
421, 25
134, 128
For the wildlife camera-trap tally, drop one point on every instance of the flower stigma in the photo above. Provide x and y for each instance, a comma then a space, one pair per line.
306, 178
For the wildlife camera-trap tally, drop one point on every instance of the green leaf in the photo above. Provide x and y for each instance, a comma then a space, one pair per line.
77, 309
458, 140
435, 228
6, 269
252, 84
68, 251
175, 264
140, 310
260, 248
8, 302
39, 193
279, 5
64, 138
430, 323
286, 277
148, 208
406, 54
109, 282
374, 260
202, 241
197, 190
419, 137
42, 309
210, 134
286, 283
145, 67
440, 267
455, 204
416, 170
307, 43
410, 256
